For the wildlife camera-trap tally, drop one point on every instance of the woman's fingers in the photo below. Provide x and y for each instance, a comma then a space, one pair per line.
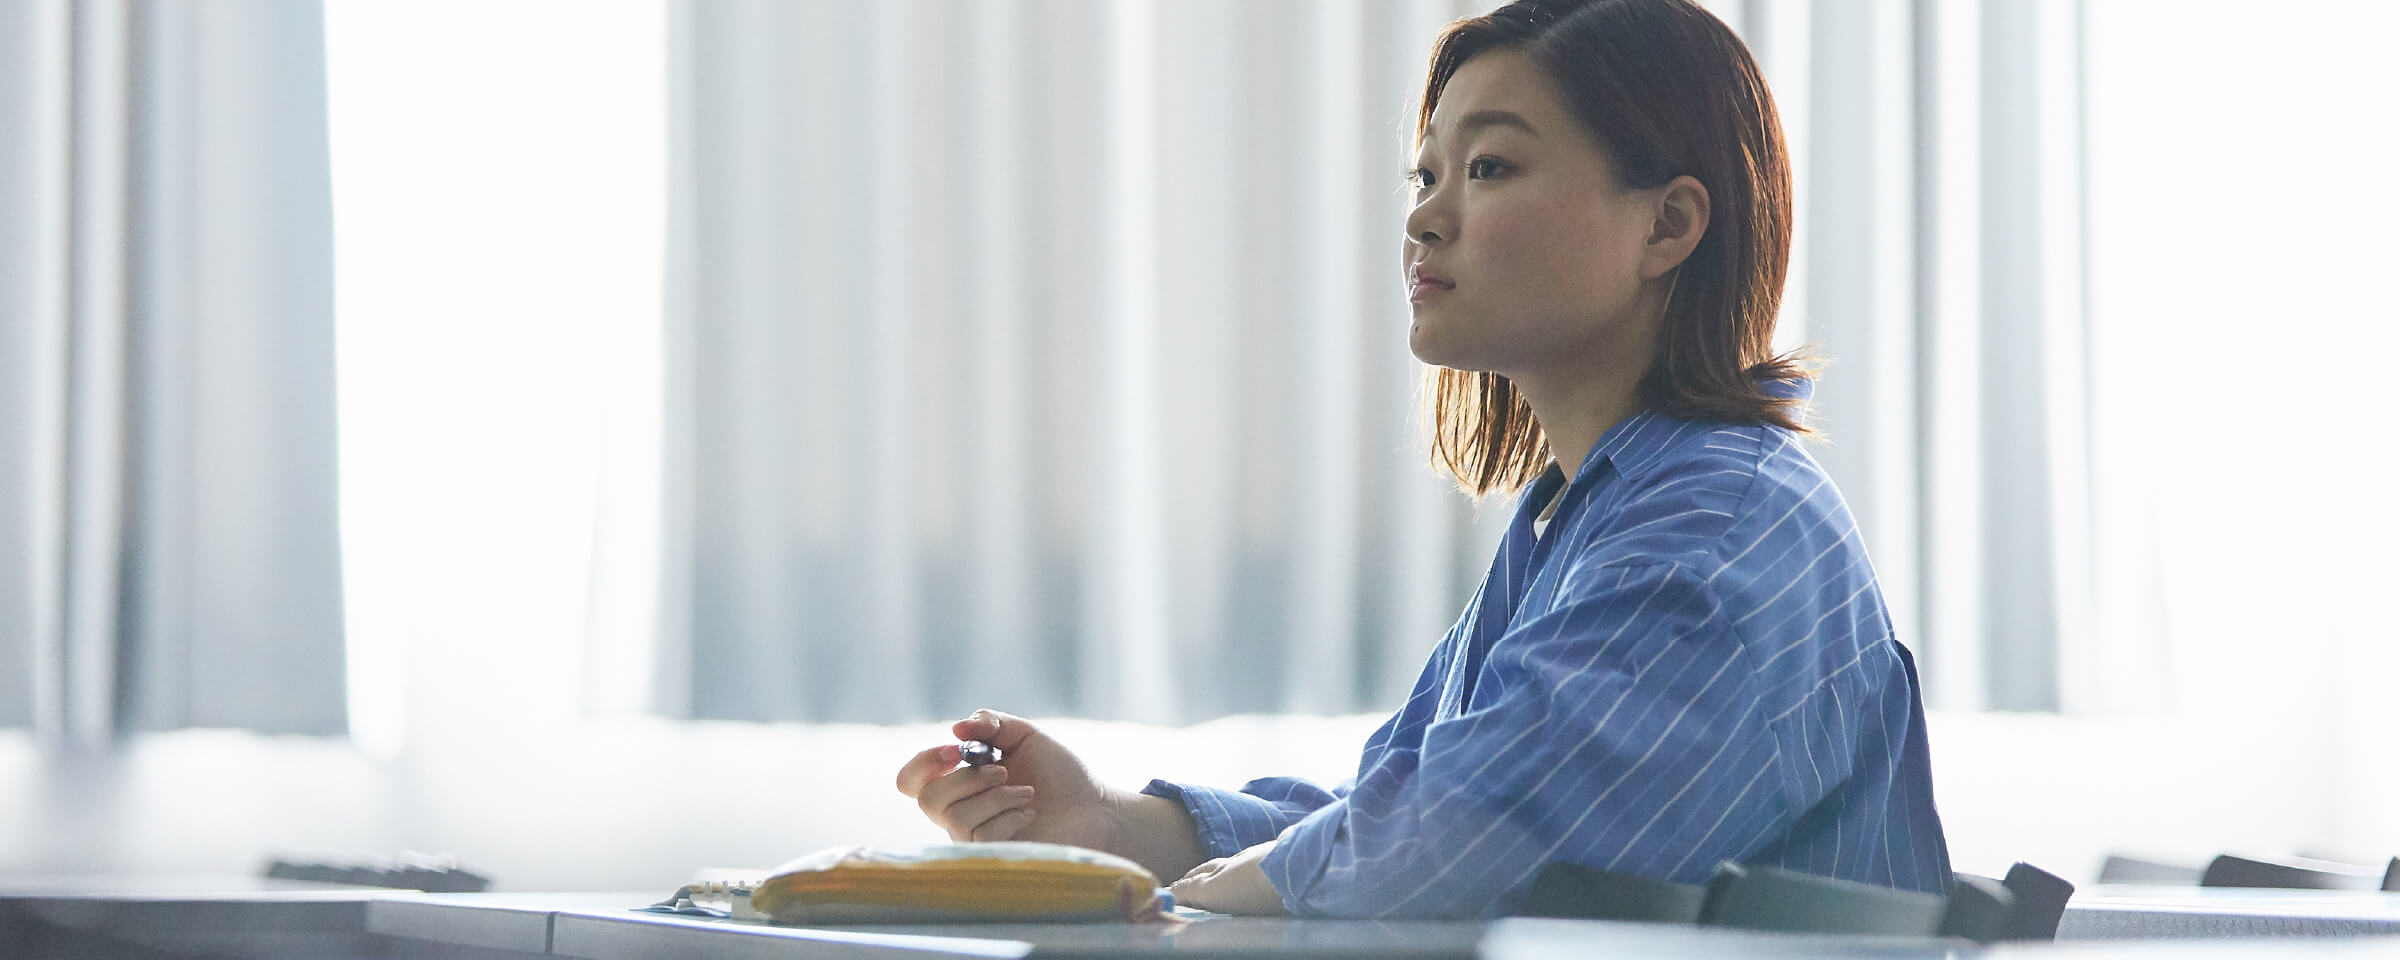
968, 798
1205, 869
968, 815
927, 766
1001, 730
1235, 884
1005, 825
958, 785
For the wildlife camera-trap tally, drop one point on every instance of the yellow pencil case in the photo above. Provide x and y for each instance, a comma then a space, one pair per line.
1007, 881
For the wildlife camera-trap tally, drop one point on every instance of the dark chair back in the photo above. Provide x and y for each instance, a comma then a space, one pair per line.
2025, 906
1979, 908
2293, 873
2041, 901
1773, 898
2118, 869
1577, 891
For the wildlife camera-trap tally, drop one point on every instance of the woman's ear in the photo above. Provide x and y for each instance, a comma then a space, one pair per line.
1678, 220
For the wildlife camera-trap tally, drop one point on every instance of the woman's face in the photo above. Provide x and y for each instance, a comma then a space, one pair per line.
1518, 210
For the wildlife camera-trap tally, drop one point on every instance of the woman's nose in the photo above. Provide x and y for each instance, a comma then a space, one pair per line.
1421, 227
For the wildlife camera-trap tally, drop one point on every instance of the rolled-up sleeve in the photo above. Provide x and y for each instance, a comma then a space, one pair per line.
1231, 821
1621, 728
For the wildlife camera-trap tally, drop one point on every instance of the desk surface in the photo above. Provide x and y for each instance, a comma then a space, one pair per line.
596, 936
1530, 939
2124, 912
602, 926
494, 921
248, 917
613, 932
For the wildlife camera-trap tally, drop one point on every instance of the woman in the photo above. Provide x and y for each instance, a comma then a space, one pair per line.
1679, 656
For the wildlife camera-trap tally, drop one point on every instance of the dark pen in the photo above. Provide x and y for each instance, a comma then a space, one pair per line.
978, 753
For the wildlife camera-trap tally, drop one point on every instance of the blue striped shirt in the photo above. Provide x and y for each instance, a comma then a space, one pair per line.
1690, 664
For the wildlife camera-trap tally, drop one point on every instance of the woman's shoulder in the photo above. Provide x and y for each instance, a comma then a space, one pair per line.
1704, 488
1780, 512
1666, 447
1727, 458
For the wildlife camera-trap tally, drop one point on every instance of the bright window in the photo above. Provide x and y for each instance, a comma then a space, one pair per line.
499, 197
2243, 332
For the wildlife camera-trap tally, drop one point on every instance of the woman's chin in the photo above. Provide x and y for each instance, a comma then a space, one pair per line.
1423, 343
1430, 347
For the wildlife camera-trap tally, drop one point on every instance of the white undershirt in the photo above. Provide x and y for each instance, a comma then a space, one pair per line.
1543, 521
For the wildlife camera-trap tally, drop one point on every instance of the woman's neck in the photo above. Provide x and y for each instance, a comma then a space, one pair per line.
1575, 414
1579, 399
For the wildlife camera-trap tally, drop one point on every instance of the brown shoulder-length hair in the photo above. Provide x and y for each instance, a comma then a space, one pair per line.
1668, 90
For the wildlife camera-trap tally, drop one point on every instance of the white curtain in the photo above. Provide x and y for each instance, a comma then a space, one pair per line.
1938, 269
168, 551
1048, 354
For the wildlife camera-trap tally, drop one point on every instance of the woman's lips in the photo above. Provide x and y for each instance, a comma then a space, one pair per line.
1423, 283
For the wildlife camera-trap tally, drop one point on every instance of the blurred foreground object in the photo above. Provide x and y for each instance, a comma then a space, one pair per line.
410, 870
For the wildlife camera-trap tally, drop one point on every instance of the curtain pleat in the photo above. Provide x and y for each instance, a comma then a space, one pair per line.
1937, 267
35, 99
170, 409
1048, 355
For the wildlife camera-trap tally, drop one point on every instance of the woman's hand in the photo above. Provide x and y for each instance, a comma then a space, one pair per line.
1042, 792
1235, 884
1039, 791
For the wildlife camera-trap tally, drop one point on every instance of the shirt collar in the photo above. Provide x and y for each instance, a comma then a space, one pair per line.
1643, 431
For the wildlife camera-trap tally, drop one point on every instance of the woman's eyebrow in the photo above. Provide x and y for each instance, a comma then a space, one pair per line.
1487, 118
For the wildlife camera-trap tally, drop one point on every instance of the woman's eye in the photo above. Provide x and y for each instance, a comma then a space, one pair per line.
1418, 177
1484, 168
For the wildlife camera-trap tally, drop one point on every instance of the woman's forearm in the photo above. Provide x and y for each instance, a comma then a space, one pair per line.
1157, 833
